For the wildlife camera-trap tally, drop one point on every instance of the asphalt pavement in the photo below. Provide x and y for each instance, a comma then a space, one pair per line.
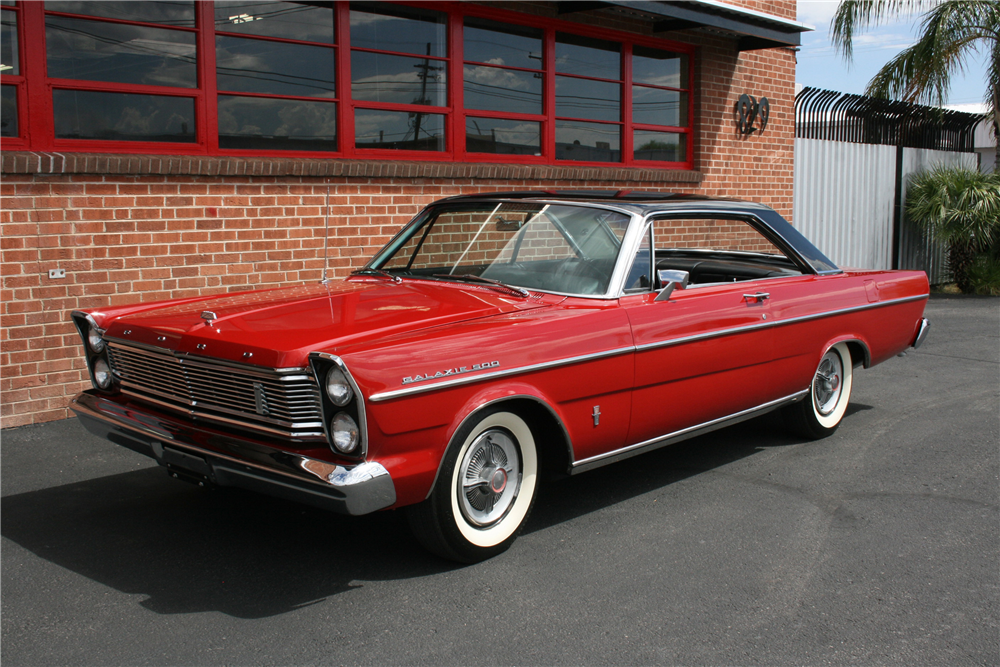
877, 546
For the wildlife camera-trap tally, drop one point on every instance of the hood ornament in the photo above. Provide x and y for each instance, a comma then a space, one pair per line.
209, 317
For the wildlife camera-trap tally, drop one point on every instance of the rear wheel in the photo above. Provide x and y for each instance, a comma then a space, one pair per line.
819, 414
484, 492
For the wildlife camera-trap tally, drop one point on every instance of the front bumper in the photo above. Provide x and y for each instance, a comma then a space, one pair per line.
199, 452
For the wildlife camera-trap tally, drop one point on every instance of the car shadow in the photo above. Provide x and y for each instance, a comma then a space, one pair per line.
250, 556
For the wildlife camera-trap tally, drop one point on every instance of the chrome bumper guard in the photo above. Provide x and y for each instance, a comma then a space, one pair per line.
198, 452
925, 326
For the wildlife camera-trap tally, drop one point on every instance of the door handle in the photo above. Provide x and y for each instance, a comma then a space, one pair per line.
758, 297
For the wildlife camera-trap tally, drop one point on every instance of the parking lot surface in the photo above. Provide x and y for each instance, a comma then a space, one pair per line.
877, 546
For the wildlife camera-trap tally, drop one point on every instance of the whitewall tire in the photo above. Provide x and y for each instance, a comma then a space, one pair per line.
485, 489
820, 413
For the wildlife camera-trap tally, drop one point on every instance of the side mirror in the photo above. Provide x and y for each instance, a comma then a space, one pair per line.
671, 280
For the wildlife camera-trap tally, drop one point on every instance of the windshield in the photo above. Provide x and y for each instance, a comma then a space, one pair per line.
548, 247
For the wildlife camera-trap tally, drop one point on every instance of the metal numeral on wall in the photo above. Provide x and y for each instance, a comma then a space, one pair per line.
748, 110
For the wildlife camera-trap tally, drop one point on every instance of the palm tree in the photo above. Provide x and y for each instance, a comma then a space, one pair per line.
961, 207
950, 31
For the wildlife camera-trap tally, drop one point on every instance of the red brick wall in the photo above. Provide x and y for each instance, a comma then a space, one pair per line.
182, 229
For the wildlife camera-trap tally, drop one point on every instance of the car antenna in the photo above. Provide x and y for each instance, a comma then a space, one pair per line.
326, 236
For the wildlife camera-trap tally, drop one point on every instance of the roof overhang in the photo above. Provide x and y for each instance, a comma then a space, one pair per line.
753, 29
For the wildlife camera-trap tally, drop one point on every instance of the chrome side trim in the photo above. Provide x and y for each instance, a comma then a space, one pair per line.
773, 323
683, 434
396, 393
362, 416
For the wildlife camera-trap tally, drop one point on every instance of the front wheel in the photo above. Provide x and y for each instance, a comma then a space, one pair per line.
819, 414
484, 491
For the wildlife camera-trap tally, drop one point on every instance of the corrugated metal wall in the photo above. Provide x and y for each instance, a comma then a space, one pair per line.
844, 196
843, 200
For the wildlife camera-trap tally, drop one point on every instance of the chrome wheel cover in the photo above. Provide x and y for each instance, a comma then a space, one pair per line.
828, 383
489, 478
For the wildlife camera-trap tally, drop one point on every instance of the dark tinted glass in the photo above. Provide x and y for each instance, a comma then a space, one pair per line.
84, 114
499, 44
256, 122
653, 106
584, 98
662, 146
398, 130
150, 11
659, 68
592, 142
393, 28
499, 89
588, 57
9, 60
8, 111
279, 68
376, 77
290, 20
503, 137
8, 3
99, 51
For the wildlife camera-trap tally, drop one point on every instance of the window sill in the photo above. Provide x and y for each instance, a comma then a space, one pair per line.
26, 162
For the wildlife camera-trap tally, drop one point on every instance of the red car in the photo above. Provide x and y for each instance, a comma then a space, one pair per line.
496, 337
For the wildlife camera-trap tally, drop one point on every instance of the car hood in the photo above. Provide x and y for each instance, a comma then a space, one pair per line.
278, 328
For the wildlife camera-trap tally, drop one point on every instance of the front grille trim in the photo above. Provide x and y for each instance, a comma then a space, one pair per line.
222, 391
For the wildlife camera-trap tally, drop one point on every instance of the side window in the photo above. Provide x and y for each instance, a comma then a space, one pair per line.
640, 276
717, 250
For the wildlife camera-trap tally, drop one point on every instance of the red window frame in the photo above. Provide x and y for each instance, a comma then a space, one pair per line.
35, 92
18, 81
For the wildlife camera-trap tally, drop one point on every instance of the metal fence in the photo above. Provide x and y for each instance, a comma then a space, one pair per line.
853, 159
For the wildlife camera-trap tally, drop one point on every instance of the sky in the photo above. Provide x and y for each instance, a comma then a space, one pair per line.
822, 67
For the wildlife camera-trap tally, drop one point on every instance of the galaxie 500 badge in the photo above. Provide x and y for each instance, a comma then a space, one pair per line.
458, 370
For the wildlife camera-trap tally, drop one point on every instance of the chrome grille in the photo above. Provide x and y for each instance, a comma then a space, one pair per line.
285, 402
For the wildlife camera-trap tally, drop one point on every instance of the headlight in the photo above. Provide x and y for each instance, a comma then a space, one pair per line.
102, 374
94, 338
337, 388
345, 433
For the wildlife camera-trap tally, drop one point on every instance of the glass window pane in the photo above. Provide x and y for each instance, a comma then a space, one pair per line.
9, 59
376, 25
150, 11
8, 3
584, 98
376, 77
591, 142
499, 44
498, 89
99, 51
662, 146
398, 130
291, 20
503, 137
84, 114
8, 111
588, 57
653, 106
659, 68
296, 125
278, 68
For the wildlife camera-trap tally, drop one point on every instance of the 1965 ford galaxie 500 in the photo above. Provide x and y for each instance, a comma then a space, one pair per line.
497, 337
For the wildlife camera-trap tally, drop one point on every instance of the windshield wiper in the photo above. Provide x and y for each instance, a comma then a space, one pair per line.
377, 272
471, 277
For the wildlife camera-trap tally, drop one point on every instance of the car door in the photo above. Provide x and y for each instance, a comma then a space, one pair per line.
707, 352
